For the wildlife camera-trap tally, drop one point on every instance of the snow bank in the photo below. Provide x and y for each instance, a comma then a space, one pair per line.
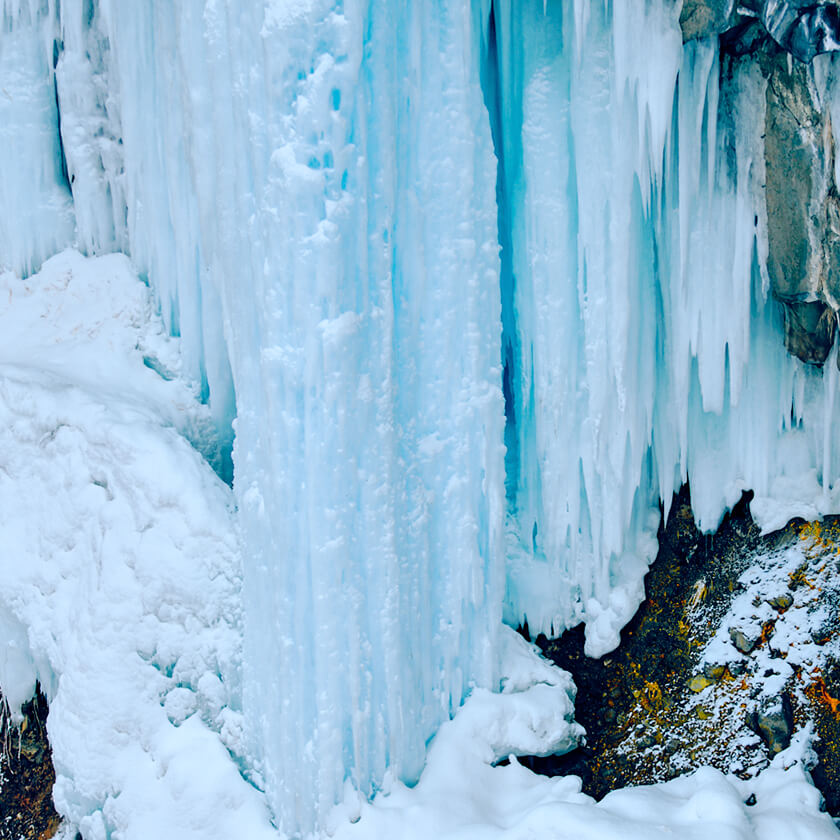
461, 795
119, 579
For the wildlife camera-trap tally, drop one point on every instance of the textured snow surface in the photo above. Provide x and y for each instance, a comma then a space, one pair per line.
119, 576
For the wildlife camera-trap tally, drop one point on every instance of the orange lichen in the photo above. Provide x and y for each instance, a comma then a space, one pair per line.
651, 696
818, 692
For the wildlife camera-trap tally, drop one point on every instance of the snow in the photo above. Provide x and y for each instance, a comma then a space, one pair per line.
461, 795
120, 576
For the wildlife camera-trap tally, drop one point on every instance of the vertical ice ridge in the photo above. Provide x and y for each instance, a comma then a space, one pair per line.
649, 351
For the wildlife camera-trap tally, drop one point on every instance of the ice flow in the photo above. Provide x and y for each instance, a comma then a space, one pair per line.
475, 285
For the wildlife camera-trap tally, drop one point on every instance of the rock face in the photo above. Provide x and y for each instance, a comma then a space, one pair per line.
803, 28
802, 210
702, 18
802, 200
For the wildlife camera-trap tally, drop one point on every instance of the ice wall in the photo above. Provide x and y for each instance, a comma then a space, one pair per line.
37, 211
645, 349
309, 189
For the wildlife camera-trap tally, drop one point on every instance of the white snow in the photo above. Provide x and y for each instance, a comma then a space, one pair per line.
120, 572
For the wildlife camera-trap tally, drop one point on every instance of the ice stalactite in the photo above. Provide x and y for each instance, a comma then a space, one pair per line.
311, 196
648, 345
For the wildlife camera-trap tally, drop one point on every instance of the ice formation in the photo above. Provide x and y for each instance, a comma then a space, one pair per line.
479, 283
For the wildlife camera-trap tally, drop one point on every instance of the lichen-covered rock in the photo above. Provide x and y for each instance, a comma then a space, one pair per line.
773, 721
782, 602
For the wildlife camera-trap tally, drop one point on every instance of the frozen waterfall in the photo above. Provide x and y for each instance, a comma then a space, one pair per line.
475, 286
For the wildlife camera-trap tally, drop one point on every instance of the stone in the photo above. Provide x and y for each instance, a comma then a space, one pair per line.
699, 683
781, 602
714, 671
802, 27
773, 722
744, 641
672, 746
702, 18
809, 330
736, 668
645, 742
745, 38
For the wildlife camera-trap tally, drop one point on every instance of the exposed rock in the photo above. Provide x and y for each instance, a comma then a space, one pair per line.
26, 776
714, 671
699, 683
781, 602
736, 668
773, 721
744, 38
702, 18
744, 640
809, 330
802, 27
661, 727
803, 216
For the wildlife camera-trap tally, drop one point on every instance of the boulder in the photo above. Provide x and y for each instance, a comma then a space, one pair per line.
773, 722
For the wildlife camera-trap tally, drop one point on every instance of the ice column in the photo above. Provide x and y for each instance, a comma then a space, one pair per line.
37, 212
309, 189
646, 349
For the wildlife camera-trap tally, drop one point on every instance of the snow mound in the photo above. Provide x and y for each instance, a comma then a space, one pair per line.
119, 582
462, 795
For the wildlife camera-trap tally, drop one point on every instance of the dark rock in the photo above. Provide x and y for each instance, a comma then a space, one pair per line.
645, 742
803, 27
750, 800
773, 722
736, 668
744, 38
809, 330
703, 18
714, 671
781, 602
744, 640
682, 533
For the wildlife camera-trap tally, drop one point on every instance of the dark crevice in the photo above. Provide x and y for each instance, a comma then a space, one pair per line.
491, 89
58, 47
